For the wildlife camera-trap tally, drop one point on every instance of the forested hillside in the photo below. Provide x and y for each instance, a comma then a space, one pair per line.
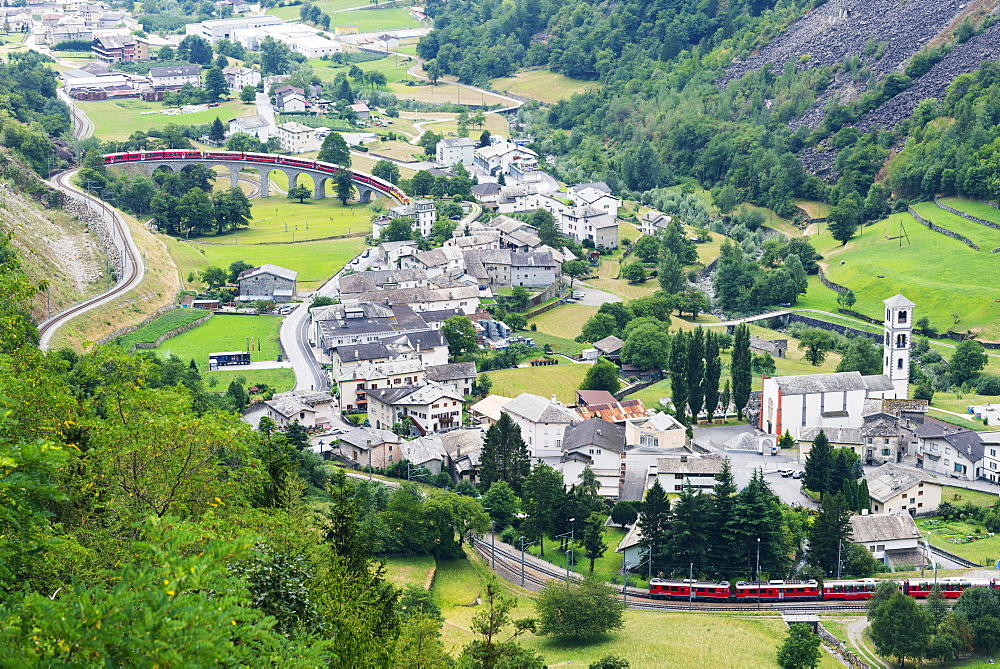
760, 97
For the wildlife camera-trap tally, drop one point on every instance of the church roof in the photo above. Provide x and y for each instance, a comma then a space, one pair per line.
897, 301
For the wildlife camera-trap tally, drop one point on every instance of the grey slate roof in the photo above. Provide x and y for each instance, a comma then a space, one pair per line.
877, 382
689, 465
594, 432
891, 479
174, 70
596, 185
967, 443
609, 344
539, 410
820, 383
268, 268
362, 435
897, 301
360, 352
452, 371
883, 527
880, 425
836, 435
423, 449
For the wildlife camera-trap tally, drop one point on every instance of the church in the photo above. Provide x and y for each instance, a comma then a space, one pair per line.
835, 402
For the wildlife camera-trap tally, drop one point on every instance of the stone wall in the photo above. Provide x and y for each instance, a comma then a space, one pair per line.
845, 330
968, 217
132, 328
173, 333
943, 231
849, 657
96, 224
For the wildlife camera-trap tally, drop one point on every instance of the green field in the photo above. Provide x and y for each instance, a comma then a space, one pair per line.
225, 332
117, 119
165, 323
279, 380
977, 209
409, 570
315, 261
278, 219
559, 380
944, 534
558, 344
328, 6
565, 321
608, 566
961, 496
984, 237
544, 85
648, 639
945, 278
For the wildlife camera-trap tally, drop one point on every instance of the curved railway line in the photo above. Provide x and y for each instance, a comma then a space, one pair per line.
133, 268
508, 565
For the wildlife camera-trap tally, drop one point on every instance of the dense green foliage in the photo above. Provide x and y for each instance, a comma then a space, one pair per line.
578, 610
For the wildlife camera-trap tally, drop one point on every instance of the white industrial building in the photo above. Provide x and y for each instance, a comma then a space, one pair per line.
216, 29
299, 38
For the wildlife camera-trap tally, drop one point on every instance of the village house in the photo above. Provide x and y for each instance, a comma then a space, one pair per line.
658, 430
356, 323
489, 409
459, 376
354, 383
610, 347
893, 539
310, 408
676, 473
652, 222
114, 49
839, 437
464, 299
370, 447
598, 445
500, 158
776, 348
296, 137
254, 125
464, 447
427, 451
597, 195
587, 223
172, 77
991, 459
238, 78
267, 282
591, 405
454, 151
949, 450
543, 423
431, 407
215, 29
421, 211
895, 488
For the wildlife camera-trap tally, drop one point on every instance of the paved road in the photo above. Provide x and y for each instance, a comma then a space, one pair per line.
265, 109
592, 297
294, 336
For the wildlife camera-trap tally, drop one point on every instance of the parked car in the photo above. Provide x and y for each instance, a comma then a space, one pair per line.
366, 253
577, 295
796, 475
785, 472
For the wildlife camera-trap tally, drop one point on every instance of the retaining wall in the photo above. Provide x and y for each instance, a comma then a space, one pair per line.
132, 328
847, 655
173, 333
968, 217
943, 231
830, 284
99, 228
845, 330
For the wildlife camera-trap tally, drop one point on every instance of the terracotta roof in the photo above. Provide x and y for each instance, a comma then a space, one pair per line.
614, 412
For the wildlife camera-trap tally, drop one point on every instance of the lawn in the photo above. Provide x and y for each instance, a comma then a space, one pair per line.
278, 219
558, 344
370, 20
328, 6
409, 570
962, 496
608, 566
813, 208
165, 323
280, 380
984, 237
977, 209
559, 380
117, 119
315, 261
958, 293
225, 332
565, 321
960, 538
544, 85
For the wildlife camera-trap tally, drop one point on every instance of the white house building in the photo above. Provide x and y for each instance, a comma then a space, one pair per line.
892, 538
599, 445
307, 407
543, 423
459, 376
586, 222
454, 150
659, 430
949, 450
896, 488
238, 78
653, 221
297, 138
174, 76
254, 125
431, 407
597, 195
676, 473
268, 282
421, 211
499, 158
354, 383
991, 455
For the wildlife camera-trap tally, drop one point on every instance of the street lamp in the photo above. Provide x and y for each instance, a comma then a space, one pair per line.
758, 572
523, 546
572, 539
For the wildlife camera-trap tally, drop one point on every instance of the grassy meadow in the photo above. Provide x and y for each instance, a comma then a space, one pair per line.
169, 321
117, 119
950, 283
544, 85
225, 332
565, 321
984, 237
315, 261
559, 380
402, 571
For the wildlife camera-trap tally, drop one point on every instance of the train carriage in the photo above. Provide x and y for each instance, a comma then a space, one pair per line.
776, 591
951, 588
703, 590
850, 590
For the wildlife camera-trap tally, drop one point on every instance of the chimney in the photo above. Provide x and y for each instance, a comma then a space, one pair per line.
598, 432
684, 458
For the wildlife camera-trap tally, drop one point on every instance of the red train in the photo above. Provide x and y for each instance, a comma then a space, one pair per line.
192, 154
783, 591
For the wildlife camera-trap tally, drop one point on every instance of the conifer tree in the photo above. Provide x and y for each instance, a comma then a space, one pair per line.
830, 534
713, 372
696, 373
654, 523
818, 464
690, 528
724, 521
740, 367
505, 455
759, 513
678, 374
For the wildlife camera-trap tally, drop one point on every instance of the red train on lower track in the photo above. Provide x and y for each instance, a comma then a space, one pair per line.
790, 591
192, 154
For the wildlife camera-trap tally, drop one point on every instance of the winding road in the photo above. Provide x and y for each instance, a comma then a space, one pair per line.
134, 269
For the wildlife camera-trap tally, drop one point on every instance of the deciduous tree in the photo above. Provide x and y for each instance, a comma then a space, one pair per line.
578, 610
800, 649
602, 375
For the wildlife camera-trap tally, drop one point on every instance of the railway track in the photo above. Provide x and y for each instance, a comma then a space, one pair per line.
508, 565
133, 268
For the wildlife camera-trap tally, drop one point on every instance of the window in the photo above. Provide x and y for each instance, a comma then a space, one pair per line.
920, 505
886, 451
899, 364
920, 493
902, 317
912, 501
678, 476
